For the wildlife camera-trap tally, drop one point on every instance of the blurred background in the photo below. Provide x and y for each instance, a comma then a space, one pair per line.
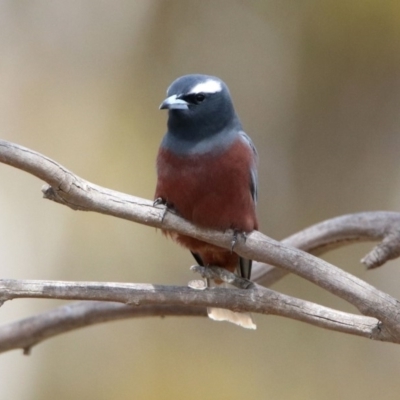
317, 87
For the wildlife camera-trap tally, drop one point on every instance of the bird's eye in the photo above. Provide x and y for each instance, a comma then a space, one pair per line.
193, 98
200, 97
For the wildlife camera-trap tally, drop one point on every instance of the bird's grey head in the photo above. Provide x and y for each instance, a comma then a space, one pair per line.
199, 106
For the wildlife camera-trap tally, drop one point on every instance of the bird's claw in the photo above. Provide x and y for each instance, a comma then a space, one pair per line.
234, 241
160, 201
235, 238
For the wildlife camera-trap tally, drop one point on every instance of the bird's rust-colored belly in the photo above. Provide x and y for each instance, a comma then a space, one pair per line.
212, 191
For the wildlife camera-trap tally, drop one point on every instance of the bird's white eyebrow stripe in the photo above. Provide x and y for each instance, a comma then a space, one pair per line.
209, 86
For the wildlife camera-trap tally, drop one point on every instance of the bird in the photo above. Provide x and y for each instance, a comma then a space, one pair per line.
207, 173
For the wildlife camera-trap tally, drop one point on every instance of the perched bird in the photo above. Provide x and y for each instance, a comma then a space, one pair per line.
207, 173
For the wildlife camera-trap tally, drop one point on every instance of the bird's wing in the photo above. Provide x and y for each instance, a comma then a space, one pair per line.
253, 168
245, 264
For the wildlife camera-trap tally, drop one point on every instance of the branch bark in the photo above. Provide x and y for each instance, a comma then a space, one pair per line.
66, 188
26, 333
376, 226
145, 300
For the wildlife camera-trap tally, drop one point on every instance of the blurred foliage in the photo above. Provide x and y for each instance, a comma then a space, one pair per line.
317, 86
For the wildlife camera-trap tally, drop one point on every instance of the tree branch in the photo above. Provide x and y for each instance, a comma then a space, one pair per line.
382, 226
26, 333
68, 189
159, 301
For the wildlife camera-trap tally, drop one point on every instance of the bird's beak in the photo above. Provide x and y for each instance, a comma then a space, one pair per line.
174, 103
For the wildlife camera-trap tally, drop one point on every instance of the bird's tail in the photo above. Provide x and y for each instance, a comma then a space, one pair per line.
244, 320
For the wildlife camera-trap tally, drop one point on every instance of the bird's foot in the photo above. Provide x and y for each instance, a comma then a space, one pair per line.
211, 273
235, 238
160, 201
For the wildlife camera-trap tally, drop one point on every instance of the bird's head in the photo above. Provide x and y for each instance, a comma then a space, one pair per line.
199, 105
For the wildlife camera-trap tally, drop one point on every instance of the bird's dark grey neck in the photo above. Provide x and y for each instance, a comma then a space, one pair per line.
200, 141
183, 124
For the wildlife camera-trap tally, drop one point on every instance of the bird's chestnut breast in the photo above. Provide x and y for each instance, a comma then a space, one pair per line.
212, 189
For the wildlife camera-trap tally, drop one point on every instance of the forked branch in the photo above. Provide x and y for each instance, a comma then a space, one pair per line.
381, 312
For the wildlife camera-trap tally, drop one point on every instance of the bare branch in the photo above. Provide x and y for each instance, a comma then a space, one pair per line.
70, 190
67, 188
26, 333
151, 298
374, 226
